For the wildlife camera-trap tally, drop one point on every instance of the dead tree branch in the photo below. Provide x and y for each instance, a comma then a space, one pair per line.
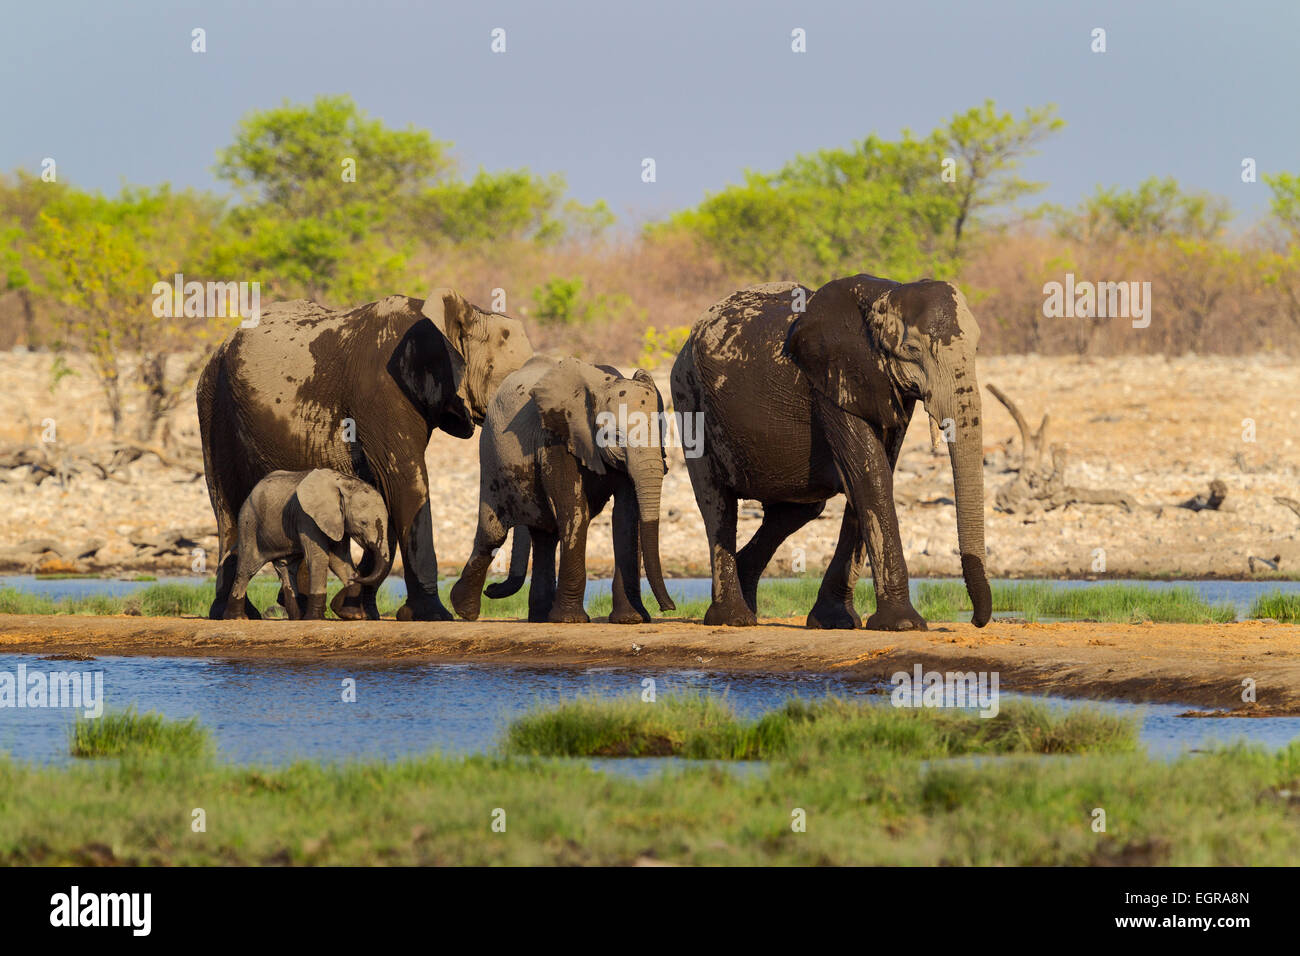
1040, 485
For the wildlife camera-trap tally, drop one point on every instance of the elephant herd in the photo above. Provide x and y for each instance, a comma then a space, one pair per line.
315, 423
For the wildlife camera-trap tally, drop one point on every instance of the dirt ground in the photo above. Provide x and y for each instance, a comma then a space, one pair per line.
1200, 665
1160, 429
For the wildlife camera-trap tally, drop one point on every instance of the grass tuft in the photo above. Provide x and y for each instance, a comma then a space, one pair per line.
1279, 606
701, 726
127, 733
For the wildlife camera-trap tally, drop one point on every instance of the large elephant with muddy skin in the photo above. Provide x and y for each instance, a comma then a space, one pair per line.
802, 405
360, 392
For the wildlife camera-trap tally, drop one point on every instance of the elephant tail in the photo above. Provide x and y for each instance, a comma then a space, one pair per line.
518, 566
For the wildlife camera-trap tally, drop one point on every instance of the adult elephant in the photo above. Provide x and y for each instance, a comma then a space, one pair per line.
802, 405
359, 392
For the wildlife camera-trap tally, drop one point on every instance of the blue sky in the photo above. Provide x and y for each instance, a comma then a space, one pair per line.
110, 89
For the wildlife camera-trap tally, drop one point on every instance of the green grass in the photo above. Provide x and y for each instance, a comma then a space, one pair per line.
871, 783
1279, 606
706, 727
121, 733
1099, 602
936, 601
160, 600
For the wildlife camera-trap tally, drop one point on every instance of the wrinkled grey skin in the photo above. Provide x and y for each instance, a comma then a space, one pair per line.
544, 466
278, 397
307, 520
800, 407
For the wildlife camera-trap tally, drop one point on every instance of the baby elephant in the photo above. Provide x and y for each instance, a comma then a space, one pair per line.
307, 519
559, 440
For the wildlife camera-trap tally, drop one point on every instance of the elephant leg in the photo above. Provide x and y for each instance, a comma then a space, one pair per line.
467, 592
316, 568
227, 565
864, 469
357, 602
563, 485
626, 586
780, 520
414, 523
717, 506
248, 563
571, 587
340, 562
288, 593
541, 591
834, 607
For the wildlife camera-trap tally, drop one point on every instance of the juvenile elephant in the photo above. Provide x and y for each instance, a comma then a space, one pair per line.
561, 438
359, 392
800, 406
308, 518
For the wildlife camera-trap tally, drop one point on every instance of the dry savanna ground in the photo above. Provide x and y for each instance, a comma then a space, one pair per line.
1157, 429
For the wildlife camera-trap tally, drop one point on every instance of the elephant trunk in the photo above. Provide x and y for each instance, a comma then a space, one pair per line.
966, 450
383, 562
518, 565
646, 469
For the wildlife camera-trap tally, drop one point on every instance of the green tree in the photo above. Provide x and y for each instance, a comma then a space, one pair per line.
1281, 268
889, 207
1285, 202
101, 258
1156, 209
989, 147
336, 204
296, 159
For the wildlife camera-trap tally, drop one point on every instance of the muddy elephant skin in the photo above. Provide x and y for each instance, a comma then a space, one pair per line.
807, 394
358, 392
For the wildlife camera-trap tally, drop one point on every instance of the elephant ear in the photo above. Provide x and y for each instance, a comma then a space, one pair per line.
321, 499
451, 313
567, 410
841, 342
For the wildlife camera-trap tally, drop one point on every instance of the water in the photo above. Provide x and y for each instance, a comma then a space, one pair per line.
1241, 594
273, 713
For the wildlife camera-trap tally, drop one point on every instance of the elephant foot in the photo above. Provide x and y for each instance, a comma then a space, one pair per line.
315, 608
423, 611
345, 611
464, 600
347, 606
896, 618
629, 615
563, 615
728, 615
219, 611
234, 611
832, 615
